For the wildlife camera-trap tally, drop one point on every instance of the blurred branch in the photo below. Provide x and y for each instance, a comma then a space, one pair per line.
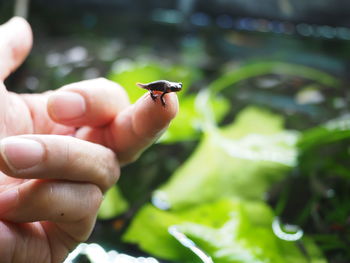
21, 8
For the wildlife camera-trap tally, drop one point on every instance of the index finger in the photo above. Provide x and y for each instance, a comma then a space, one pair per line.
135, 128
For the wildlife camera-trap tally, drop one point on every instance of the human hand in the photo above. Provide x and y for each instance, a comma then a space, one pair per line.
60, 151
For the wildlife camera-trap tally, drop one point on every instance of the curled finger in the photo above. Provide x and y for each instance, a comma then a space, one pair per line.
58, 157
91, 102
47, 200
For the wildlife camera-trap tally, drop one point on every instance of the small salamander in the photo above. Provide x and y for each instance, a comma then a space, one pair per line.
163, 86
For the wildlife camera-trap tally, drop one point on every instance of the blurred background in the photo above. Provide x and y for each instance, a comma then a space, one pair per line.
256, 166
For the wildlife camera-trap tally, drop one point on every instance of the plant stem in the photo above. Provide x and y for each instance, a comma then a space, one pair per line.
21, 8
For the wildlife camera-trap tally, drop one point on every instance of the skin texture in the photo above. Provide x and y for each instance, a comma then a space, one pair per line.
60, 151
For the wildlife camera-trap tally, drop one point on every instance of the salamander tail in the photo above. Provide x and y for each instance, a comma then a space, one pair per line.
141, 85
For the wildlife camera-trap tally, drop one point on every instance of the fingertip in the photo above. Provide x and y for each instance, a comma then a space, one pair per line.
20, 29
150, 118
21, 153
140, 125
91, 103
172, 100
16, 41
154, 109
17, 20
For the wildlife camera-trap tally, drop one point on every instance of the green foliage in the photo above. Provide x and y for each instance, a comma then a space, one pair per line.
188, 123
254, 69
331, 132
329, 143
230, 231
127, 73
150, 230
240, 160
217, 195
324, 160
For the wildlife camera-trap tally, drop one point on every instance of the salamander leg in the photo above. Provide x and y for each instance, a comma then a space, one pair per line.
162, 98
154, 97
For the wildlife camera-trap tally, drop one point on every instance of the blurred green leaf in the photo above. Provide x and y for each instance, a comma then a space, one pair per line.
241, 160
254, 120
113, 204
323, 168
187, 125
149, 229
127, 73
189, 122
331, 132
254, 69
324, 151
230, 231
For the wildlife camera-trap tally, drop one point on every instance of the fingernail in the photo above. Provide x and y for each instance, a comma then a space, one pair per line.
8, 200
21, 153
67, 105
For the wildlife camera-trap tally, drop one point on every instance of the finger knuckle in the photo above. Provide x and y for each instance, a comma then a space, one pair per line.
111, 178
47, 194
109, 170
113, 169
105, 82
112, 85
95, 198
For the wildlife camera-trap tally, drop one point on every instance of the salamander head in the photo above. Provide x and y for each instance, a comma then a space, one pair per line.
175, 86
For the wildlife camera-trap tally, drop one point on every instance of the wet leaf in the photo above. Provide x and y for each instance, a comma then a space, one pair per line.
240, 160
189, 122
230, 231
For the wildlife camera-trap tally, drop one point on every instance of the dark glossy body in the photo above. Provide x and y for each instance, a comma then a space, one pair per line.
163, 86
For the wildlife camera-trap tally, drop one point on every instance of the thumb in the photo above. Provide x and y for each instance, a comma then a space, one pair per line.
15, 43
